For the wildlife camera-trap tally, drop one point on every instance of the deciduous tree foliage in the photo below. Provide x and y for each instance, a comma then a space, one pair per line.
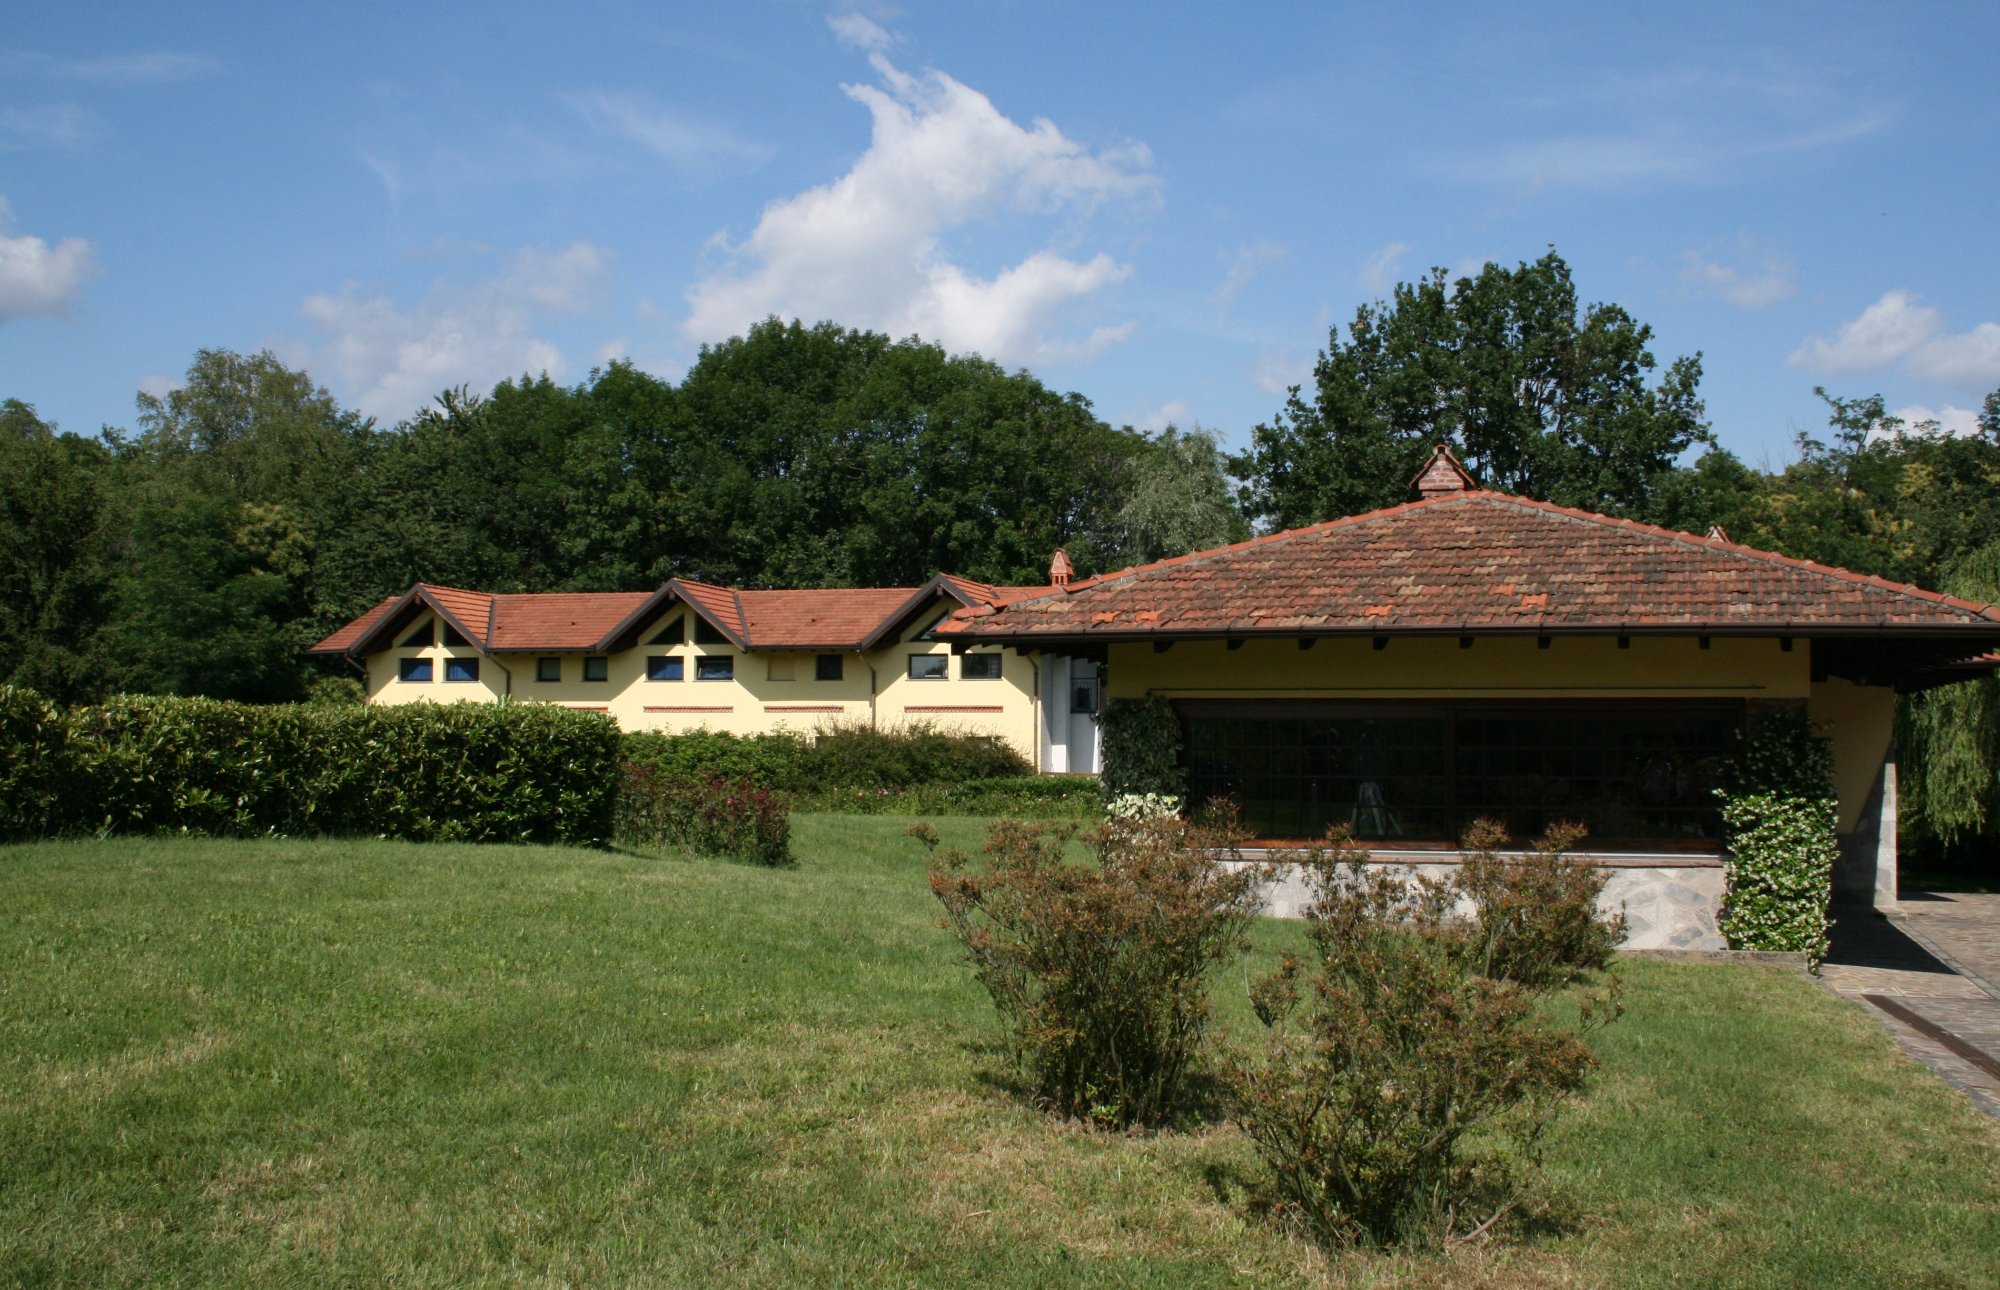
1534, 394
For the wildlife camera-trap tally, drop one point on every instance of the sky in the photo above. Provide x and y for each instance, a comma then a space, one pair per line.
1164, 207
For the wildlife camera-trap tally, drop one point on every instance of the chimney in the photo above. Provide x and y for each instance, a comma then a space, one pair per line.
1059, 569
1443, 475
1716, 533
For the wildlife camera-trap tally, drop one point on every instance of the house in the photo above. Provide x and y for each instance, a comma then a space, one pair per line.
1475, 653
692, 655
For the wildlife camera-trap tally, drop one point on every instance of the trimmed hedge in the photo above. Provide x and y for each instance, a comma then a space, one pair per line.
462, 772
710, 816
1781, 814
838, 762
1017, 796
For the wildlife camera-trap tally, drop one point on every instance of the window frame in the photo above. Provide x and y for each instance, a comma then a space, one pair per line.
1477, 775
942, 662
665, 668
407, 669
995, 659
838, 668
598, 663
715, 667
543, 666
459, 663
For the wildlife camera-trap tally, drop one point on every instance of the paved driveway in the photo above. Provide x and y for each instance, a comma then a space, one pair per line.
1930, 971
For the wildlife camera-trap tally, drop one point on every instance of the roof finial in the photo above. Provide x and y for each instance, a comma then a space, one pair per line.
1443, 474
1059, 569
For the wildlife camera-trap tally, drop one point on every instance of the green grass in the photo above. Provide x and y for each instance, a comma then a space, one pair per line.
361, 1062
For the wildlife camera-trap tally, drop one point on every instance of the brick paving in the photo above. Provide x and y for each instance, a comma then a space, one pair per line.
1937, 956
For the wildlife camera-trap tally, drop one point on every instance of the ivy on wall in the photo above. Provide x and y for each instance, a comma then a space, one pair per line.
1780, 811
1141, 750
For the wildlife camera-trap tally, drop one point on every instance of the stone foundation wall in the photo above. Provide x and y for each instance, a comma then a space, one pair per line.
1670, 902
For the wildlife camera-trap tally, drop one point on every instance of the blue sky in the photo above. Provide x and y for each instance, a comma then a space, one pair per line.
1163, 207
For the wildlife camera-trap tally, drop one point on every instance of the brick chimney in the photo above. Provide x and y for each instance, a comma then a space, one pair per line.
1059, 569
1443, 475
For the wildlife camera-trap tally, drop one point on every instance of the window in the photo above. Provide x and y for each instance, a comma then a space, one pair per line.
422, 638
674, 633
930, 667
718, 667
548, 669
1632, 773
413, 669
780, 667
979, 667
828, 668
596, 668
706, 633
461, 669
662, 667
453, 636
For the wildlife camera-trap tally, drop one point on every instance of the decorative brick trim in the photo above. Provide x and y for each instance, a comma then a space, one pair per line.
805, 707
955, 707
584, 707
691, 708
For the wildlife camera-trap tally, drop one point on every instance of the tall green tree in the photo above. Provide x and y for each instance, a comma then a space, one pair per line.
61, 544
1537, 396
1948, 739
1178, 498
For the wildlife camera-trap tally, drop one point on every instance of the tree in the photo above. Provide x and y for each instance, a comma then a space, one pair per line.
1948, 739
1535, 396
1177, 499
55, 583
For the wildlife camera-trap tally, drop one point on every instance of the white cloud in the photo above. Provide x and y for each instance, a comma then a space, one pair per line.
858, 32
390, 362
689, 145
1246, 264
54, 125
1961, 422
39, 279
159, 386
1764, 281
1380, 272
1896, 330
1276, 371
867, 249
1174, 412
151, 67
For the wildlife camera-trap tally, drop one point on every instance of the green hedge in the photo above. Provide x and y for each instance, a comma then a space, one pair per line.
838, 762
1780, 810
1015, 796
1142, 750
471, 772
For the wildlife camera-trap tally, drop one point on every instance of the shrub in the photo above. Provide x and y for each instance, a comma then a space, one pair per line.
864, 757
710, 816
1141, 749
1014, 796
472, 772
770, 761
1534, 917
1389, 1053
1099, 968
1781, 813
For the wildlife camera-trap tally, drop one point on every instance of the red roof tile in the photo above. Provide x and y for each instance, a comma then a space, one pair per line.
340, 640
560, 620
836, 617
1472, 561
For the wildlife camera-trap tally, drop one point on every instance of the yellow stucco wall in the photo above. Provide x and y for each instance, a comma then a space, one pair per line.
1861, 722
752, 701
1495, 667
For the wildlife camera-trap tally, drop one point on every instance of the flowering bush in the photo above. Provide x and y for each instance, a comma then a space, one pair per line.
1099, 968
709, 816
1136, 807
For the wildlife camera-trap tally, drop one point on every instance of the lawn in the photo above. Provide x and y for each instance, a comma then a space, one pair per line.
279, 1062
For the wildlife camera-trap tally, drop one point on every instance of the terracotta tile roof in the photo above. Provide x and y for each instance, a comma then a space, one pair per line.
340, 640
800, 619
558, 621
1472, 561
838, 618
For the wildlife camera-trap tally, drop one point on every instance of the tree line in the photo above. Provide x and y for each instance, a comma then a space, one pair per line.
247, 513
